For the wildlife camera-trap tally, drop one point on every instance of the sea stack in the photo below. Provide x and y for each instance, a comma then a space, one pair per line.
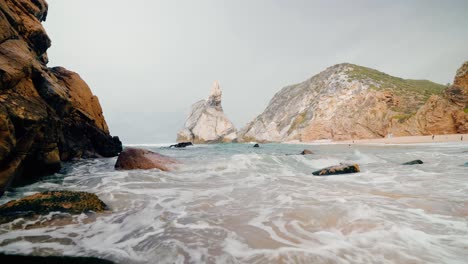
207, 122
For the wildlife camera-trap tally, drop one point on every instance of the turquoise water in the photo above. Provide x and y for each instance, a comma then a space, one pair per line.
231, 203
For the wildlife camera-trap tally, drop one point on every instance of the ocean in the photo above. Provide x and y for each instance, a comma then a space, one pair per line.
232, 203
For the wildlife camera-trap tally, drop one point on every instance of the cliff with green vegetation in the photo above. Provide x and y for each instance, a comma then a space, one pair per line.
348, 101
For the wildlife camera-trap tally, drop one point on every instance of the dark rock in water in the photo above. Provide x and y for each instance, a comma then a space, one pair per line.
6, 258
181, 145
413, 162
134, 158
47, 115
51, 201
306, 152
339, 169
256, 146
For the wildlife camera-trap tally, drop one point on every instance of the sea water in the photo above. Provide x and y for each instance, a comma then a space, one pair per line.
232, 203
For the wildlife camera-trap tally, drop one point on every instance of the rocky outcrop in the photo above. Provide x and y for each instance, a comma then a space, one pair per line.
348, 101
47, 115
134, 158
339, 169
207, 122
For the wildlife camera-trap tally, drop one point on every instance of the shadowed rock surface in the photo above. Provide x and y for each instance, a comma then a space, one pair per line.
348, 101
207, 122
339, 169
47, 115
51, 201
134, 158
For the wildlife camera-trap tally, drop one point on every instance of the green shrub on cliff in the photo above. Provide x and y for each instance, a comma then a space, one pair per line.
380, 80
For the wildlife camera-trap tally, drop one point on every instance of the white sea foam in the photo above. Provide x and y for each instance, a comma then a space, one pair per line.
235, 204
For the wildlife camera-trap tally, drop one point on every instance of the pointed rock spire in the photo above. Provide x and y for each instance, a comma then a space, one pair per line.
215, 97
207, 122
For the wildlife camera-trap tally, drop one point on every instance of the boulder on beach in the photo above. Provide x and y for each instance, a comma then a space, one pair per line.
306, 152
338, 169
51, 201
413, 162
134, 158
181, 145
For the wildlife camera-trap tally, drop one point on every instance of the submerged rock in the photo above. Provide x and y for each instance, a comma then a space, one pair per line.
207, 122
181, 145
51, 201
134, 158
339, 169
306, 152
413, 162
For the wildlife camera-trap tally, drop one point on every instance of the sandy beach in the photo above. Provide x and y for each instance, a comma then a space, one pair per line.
454, 138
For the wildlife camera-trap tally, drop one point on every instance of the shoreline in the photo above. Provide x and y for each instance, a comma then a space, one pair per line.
448, 138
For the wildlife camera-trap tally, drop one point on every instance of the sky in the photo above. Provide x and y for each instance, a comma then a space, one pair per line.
148, 61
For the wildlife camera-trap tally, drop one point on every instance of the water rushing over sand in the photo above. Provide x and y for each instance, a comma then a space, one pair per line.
236, 204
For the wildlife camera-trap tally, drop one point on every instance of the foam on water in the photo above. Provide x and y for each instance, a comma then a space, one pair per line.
232, 203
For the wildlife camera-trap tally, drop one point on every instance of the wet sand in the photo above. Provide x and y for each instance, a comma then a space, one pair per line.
455, 138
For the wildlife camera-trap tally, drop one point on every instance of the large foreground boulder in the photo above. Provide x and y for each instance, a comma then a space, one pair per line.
51, 201
6, 258
339, 169
47, 115
207, 122
134, 158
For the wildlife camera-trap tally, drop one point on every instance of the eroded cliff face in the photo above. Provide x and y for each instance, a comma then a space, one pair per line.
47, 115
207, 122
348, 101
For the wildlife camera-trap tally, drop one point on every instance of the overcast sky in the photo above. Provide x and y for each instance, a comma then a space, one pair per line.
148, 60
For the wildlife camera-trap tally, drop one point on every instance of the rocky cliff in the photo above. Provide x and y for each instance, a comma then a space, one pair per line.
348, 101
47, 115
207, 122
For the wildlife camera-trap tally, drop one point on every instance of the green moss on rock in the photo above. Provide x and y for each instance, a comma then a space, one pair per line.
53, 201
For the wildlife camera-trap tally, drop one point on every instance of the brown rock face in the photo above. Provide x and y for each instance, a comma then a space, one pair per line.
447, 114
133, 159
47, 115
